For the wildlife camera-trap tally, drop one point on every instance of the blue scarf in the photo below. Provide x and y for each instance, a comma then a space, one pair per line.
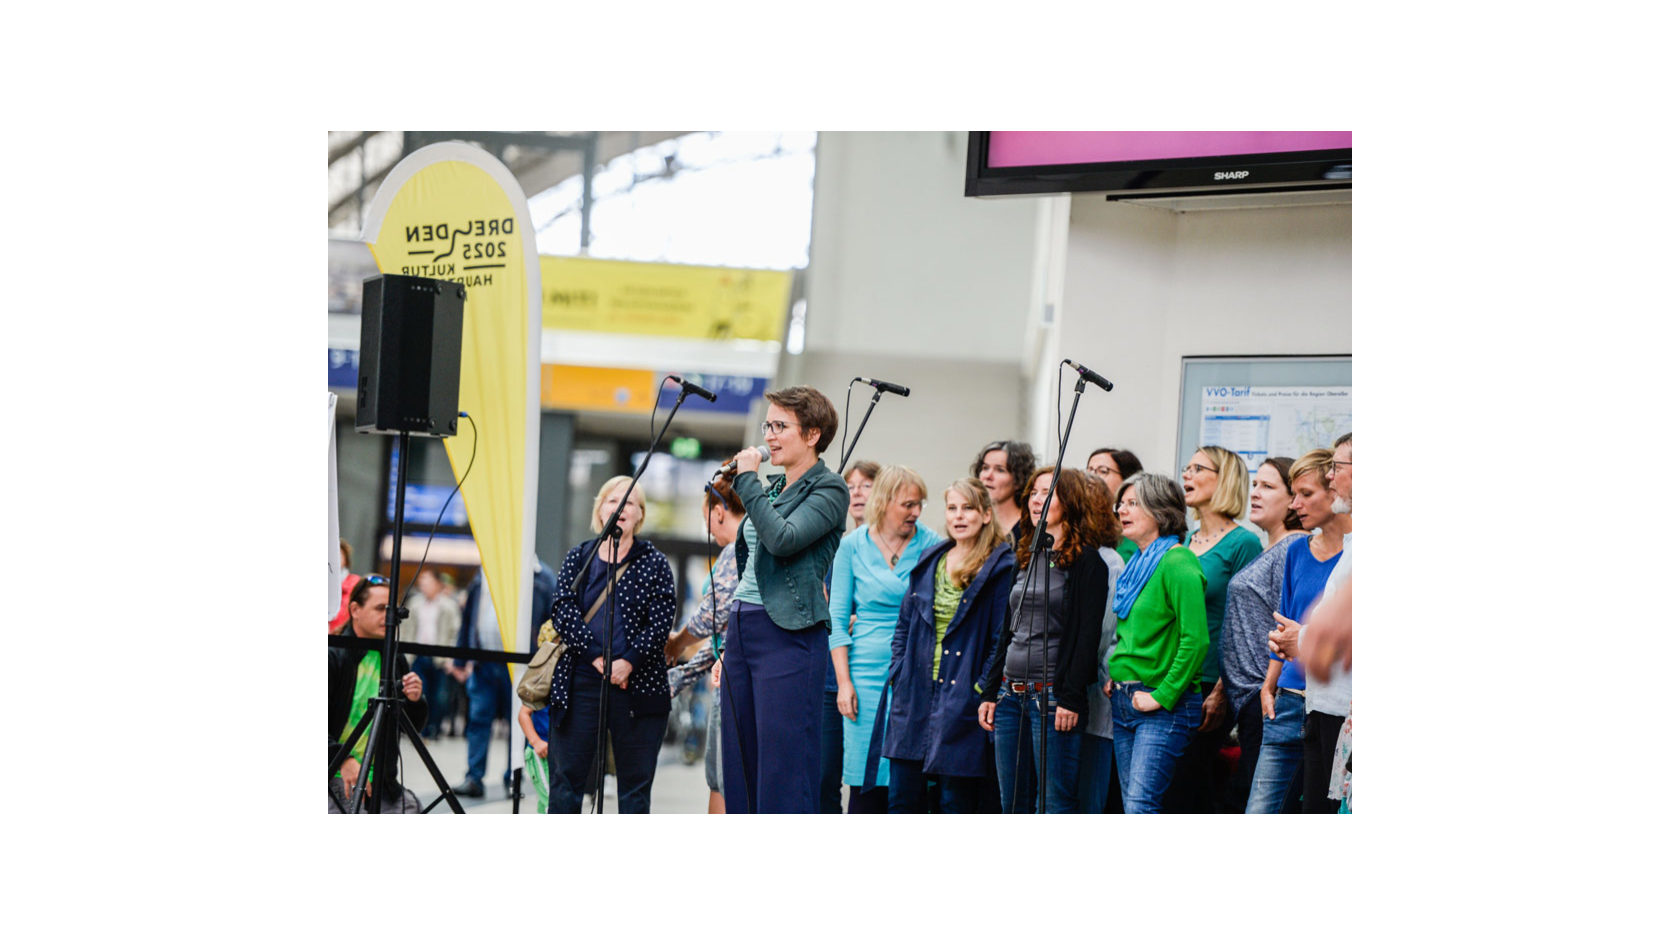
1138, 572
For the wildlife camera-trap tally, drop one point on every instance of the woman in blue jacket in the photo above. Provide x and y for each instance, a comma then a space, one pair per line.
947, 625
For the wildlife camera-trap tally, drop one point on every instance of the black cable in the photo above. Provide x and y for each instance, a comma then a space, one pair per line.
424, 553
848, 424
428, 549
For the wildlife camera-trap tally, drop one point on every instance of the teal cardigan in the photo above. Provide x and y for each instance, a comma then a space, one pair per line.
798, 533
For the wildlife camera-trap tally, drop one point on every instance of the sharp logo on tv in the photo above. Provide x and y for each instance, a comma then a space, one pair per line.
1229, 175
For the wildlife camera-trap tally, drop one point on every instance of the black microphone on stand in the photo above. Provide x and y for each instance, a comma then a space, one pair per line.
887, 386
694, 389
1090, 375
729, 467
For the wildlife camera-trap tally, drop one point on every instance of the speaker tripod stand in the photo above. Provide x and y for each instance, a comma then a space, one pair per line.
385, 721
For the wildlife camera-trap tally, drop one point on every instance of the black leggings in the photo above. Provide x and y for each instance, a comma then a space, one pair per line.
1317, 754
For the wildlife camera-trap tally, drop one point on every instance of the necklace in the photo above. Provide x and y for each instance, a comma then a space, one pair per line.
892, 560
1202, 537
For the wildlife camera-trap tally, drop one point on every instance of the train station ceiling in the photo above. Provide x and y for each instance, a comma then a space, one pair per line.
357, 161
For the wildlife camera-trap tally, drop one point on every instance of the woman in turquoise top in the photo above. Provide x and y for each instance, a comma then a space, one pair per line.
1216, 492
871, 574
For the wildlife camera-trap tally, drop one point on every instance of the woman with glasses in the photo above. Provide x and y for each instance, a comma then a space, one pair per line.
1114, 466
1160, 641
1216, 491
871, 574
629, 601
1004, 466
1046, 656
773, 668
947, 624
1250, 599
1307, 565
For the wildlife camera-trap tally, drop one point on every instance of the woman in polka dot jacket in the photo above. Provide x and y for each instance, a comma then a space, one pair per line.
642, 614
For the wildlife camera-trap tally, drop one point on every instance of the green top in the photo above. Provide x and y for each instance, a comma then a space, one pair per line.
946, 596
1234, 550
1162, 641
367, 686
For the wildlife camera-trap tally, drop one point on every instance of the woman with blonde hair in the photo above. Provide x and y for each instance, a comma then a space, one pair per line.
871, 574
947, 624
633, 596
1216, 491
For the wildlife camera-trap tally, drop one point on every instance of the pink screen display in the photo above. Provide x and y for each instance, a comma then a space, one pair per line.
1026, 148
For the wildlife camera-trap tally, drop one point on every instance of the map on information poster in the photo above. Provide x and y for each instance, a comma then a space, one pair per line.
1257, 422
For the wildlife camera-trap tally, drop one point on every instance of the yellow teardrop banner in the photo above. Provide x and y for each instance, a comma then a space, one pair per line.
452, 211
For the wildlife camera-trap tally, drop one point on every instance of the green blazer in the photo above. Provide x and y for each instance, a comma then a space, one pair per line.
797, 537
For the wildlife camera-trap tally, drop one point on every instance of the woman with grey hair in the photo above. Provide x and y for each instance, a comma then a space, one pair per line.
1161, 637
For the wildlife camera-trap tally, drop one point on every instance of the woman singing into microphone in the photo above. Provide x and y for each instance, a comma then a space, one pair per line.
775, 664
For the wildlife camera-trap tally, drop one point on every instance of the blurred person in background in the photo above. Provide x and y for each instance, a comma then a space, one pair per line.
710, 623
947, 626
1005, 466
347, 585
1046, 658
1216, 491
633, 598
434, 619
1278, 780
871, 575
1250, 601
488, 687
1160, 610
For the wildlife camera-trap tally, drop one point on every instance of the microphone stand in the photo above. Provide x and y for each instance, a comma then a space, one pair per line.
1044, 714
615, 532
861, 424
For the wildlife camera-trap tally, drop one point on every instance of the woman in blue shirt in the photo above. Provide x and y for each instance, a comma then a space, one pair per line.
871, 574
1307, 565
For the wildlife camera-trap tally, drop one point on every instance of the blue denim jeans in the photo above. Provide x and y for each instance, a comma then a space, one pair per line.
1147, 745
1277, 771
489, 697
1061, 748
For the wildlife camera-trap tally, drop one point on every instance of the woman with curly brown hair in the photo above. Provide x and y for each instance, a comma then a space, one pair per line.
1046, 656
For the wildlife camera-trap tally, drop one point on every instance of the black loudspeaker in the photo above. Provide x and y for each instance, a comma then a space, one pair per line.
410, 375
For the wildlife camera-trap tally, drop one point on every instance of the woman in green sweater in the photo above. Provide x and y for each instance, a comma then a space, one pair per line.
1161, 638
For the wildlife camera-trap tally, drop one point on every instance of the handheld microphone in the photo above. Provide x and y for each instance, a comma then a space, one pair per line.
1090, 375
729, 467
694, 389
887, 386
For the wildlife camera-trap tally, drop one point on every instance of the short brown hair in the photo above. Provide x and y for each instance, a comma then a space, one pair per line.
871, 470
812, 408
1018, 457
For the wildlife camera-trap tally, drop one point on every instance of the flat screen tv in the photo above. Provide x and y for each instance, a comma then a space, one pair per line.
1142, 164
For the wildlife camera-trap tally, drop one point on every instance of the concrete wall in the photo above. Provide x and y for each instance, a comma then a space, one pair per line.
1145, 287
914, 283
